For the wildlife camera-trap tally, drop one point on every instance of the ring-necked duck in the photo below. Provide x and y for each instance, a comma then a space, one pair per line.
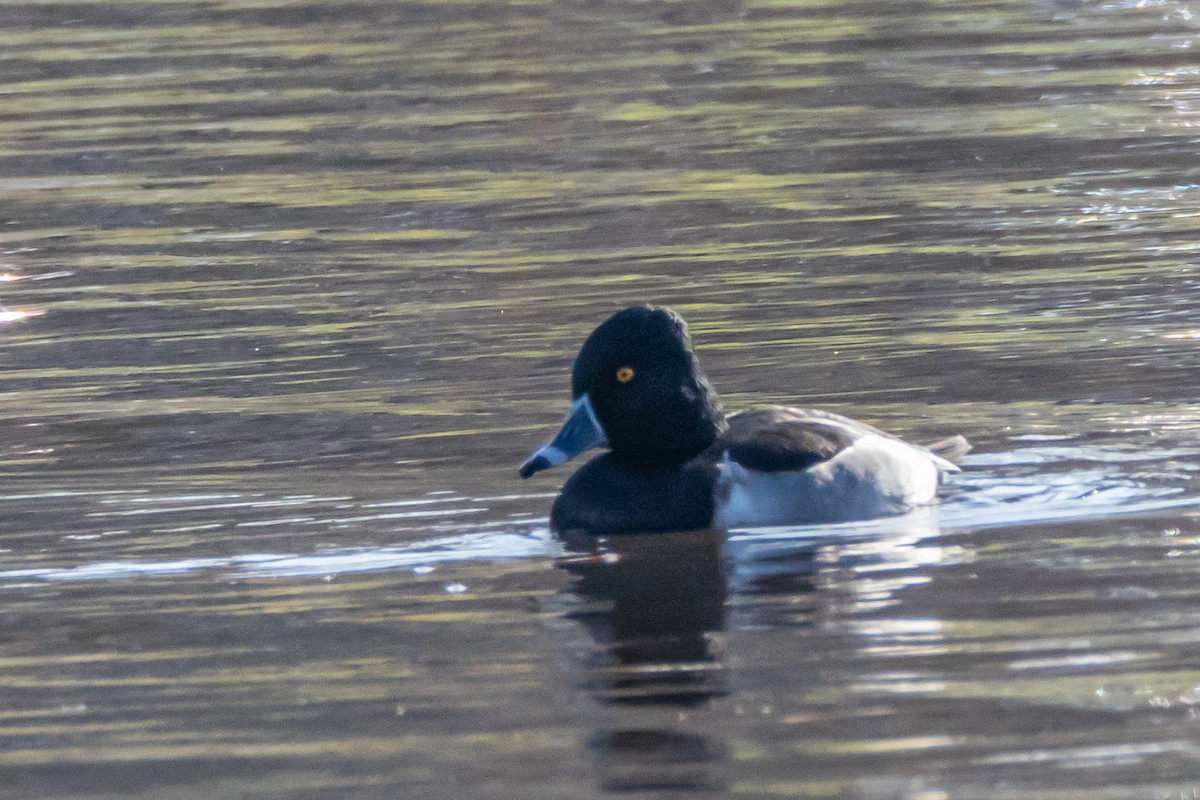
676, 462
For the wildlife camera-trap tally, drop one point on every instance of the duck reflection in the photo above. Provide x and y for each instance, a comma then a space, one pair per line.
667, 613
654, 603
655, 606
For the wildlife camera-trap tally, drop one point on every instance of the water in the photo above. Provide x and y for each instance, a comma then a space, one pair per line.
289, 291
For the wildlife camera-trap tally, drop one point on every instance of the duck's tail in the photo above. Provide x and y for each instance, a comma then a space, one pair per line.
952, 449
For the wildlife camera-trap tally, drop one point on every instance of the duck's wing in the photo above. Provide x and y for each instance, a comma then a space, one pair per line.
782, 439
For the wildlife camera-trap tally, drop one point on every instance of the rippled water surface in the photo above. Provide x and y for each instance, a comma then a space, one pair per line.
290, 289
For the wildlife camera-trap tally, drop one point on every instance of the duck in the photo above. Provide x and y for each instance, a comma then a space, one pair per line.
674, 461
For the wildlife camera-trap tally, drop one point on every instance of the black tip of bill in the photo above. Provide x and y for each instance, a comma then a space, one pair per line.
534, 465
580, 431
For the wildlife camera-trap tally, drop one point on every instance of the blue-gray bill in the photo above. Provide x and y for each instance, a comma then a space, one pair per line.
580, 431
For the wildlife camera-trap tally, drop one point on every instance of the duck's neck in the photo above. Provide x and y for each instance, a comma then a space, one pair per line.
678, 430
707, 419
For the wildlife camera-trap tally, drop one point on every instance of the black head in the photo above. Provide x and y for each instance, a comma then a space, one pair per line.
637, 389
646, 387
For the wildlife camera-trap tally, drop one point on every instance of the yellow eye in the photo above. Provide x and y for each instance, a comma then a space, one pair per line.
625, 374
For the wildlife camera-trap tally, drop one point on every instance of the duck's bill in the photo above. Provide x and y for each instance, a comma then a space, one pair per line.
581, 431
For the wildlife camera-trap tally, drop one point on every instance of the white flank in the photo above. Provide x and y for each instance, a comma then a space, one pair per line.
873, 477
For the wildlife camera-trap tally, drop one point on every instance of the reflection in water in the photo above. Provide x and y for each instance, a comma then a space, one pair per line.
654, 603
655, 607
670, 614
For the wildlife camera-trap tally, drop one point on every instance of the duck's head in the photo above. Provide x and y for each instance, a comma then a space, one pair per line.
638, 389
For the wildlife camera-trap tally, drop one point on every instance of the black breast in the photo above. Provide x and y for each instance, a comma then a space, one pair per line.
610, 496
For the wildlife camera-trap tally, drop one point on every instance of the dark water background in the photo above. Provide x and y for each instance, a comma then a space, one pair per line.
290, 289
